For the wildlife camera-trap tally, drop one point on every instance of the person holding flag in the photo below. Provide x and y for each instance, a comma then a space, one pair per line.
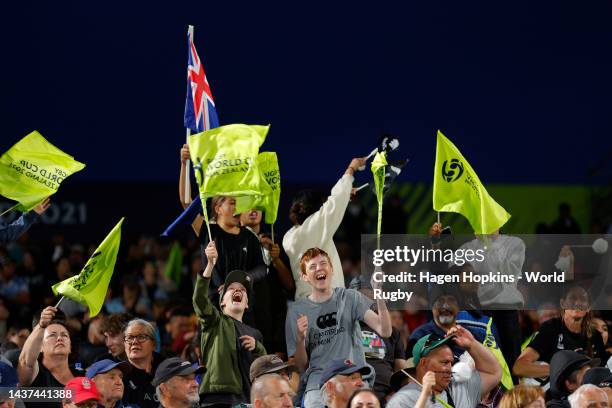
43, 361
457, 188
11, 232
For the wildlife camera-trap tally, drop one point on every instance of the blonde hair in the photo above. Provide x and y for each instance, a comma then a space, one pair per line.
520, 396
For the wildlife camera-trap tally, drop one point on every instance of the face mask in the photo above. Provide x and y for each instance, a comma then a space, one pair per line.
463, 370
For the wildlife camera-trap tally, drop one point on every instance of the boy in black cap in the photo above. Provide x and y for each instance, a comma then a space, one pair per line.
228, 346
175, 383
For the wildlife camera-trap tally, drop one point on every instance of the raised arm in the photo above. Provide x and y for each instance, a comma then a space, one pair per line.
322, 225
27, 368
379, 321
486, 363
197, 223
205, 310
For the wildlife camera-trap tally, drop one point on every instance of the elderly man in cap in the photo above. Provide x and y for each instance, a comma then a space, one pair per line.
175, 383
228, 346
339, 380
108, 376
600, 377
273, 364
433, 354
588, 396
271, 391
567, 369
81, 392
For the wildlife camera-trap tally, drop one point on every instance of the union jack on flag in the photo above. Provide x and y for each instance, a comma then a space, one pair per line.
200, 113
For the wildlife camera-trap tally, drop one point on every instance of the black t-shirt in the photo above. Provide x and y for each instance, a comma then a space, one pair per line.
46, 379
554, 336
381, 354
138, 389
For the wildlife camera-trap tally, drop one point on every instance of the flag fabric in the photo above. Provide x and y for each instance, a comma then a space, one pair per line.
378, 170
267, 163
200, 112
186, 218
491, 344
33, 169
457, 188
90, 286
225, 160
174, 265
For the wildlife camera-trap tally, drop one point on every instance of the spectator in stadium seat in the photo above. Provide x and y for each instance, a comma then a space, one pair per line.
83, 393
600, 377
140, 343
567, 369
271, 391
113, 327
108, 377
314, 224
175, 383
43, 362
339, 380
433, 353
228, 346
588, 396
325, 324
523, 396
572, 331
363, 398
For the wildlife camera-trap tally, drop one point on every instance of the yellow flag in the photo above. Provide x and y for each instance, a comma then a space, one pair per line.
457, 188
90, 286
33, 169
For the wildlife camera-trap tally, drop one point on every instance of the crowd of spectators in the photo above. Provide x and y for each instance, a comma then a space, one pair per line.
247, 320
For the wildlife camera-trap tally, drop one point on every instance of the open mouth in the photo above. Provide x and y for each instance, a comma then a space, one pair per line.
320, 276
237, 297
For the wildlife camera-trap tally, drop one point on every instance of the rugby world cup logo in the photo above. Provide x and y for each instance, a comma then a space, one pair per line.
452, 171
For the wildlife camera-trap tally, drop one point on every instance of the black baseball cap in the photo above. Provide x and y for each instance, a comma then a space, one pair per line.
173, 366
599, 376
238, 277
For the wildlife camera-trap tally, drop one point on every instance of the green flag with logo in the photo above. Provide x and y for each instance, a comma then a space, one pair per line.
267, 163
174, 265
457, 188
33, 169
224, 160
90, 286
378, 170
491, 344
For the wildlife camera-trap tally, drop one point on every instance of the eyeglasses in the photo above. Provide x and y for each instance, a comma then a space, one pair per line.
141, 338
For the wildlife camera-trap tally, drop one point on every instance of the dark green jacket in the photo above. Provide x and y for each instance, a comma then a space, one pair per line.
218, 344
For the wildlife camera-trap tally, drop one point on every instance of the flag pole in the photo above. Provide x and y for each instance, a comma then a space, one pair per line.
438, 217
60, 301
188, 133
10, 209
272, 230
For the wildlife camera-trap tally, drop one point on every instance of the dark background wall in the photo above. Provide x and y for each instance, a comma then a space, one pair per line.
523, 88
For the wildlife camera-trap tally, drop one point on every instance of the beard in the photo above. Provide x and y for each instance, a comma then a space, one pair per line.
446, 319
193, 398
